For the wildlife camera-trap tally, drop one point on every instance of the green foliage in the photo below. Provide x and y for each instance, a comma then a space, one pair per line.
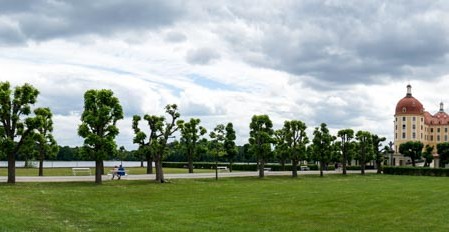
412, 149
346, 136
229, 144
15, 129
98, 126
365, 142
237, 167
321, 146
428, 155
377, 149
261, 137
190, 135
443, 152
292, 140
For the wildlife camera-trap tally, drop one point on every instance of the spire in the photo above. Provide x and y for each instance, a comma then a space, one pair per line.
409, 90
441, 107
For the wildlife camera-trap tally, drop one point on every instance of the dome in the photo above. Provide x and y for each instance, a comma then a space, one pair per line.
409, 104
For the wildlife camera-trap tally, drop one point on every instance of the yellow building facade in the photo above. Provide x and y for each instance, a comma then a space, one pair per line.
413, 123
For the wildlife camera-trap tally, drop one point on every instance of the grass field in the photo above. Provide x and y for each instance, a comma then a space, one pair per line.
311, 203
68, 171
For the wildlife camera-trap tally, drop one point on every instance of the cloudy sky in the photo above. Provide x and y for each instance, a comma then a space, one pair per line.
345, 63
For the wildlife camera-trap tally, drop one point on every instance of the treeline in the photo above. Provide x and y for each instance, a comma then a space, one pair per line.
28, 132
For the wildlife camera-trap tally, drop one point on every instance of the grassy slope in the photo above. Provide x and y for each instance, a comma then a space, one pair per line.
332, 203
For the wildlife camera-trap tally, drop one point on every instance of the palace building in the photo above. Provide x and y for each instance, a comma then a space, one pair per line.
413, 123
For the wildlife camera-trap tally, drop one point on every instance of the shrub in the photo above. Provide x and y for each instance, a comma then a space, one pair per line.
416, 171
238, 167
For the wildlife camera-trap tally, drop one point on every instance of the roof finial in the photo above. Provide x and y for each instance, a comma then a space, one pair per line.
409, 90
441, 106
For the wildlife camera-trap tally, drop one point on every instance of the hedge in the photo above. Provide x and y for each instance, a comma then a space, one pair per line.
238, 167
416, 171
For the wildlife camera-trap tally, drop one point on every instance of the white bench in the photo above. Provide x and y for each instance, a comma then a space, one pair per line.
81, 170
267, 169
222, 168
305, 168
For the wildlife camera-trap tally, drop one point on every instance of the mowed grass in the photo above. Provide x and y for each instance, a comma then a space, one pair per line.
68, 171
309, 203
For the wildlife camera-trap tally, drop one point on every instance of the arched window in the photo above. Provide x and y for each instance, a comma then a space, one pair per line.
404, 109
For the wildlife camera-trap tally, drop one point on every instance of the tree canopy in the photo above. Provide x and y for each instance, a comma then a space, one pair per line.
261, 137
412, 149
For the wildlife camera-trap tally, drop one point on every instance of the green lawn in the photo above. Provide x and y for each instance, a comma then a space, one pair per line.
311, 203
68, 171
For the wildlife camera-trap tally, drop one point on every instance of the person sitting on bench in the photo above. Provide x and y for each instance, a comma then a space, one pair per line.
120, 171
115, 172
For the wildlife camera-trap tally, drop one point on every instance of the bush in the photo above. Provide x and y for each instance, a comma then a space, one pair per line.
416, 171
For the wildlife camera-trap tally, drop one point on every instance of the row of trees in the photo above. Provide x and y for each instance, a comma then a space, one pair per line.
22, 133
416, 151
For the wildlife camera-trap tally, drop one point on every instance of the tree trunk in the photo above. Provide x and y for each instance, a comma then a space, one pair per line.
102, 167
141, 163
283, 164
98, 167
41, 167
216, 168
413, 161
149, 166
294, 168
321, 168
379, 166
159, 170
261, 169
344, 161
190, 164
230, 165
11, 169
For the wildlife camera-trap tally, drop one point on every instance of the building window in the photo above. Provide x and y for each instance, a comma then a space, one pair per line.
403, 119
396, 119
404, 109
445, 138
421, 127
396, 127
445, 129
414, 135
438, 130
414, 127
414, 119
421, 135
422, 119
431, 130
438, 138
403, 127
431, 138
403, 135
396, 135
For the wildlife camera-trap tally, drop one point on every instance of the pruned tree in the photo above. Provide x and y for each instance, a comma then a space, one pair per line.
281, 150
412, 149
321, 146
98, 127
46, 144
296, 141
261, 137
217, 137
148, 148
164, 130
346, 136
364, 139
428, 155
15, 127
229, 144
191, 132
377, 149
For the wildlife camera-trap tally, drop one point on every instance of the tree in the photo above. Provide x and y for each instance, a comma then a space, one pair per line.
46, 144
321, 146
365, 147
261, 138
148, 148
98, 126
217, 139
412, 149
427, 155
190, 134
164, 129
443, 153
14, 127
378, 156
296, 141
346, 136
229, 144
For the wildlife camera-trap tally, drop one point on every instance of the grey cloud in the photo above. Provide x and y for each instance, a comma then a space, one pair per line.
54, 19
202, 56
175, 37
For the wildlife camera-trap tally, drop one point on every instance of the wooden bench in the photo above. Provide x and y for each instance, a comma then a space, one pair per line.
81, 170
305, 168
222, 168
266, 169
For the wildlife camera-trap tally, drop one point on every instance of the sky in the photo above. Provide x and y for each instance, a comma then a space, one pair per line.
345, 63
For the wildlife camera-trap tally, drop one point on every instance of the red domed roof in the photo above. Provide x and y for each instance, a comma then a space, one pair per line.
409, 105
